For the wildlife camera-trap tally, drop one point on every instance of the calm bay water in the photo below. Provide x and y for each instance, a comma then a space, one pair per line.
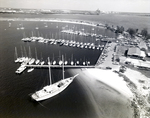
15, 89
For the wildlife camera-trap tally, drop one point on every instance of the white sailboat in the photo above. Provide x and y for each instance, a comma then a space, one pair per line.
54, 62
30, 70
20, 69
32, 60
37, 61
52, 89
66, 62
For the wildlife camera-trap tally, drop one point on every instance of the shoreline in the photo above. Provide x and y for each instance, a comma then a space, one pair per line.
83, 22
100, 83
137, 83
105, 94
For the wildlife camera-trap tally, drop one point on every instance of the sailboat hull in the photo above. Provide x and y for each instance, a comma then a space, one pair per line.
52, 90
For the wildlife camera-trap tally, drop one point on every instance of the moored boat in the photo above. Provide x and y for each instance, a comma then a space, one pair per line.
20, 69
30, 70
52, 89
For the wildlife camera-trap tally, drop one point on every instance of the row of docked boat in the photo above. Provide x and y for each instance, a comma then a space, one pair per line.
64, 42
31, 61
27, 61
70, 31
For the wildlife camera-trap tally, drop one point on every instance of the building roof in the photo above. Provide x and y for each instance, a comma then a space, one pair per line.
136, 52
148, 54
142, 45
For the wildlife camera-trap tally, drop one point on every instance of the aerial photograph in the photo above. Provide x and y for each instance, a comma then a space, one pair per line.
74, 59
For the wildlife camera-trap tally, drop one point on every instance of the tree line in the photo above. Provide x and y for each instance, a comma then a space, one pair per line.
120, 29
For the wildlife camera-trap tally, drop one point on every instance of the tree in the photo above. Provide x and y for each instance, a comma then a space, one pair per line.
119, 29
131, 31
97, 12
137, 30
144, 32
148, 36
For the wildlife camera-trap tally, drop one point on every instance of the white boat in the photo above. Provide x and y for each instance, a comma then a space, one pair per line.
20, 69
66, 62
21, 59
54, 62
37, 61
17, 60
84, 63
42, 62
85, 46
93, 47
60, 62
25, 61
82, 46
72, 60
31, 61
30, 70
52, 89
88, 62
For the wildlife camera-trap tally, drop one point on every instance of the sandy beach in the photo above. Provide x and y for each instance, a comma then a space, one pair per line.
112, 96
109, 96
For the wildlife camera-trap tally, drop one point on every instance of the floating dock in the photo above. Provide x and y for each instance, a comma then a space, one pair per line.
60, 66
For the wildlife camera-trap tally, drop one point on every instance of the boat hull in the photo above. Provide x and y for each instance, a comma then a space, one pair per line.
52, 90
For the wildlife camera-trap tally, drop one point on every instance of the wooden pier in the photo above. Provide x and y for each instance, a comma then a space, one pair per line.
60, 66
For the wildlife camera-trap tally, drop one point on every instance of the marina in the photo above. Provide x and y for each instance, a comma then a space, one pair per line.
28, 63
86, 43
80, 57
75, 59
64, 42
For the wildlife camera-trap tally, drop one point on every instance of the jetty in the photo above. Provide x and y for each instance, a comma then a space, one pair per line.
60, 66
22, 68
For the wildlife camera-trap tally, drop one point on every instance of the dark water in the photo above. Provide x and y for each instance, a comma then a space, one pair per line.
14, 89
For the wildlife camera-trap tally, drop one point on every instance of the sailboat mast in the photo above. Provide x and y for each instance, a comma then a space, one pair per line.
29, 52
16, 53
21, 51
36, 53
25, 52
32, 33
63, 66
50, 80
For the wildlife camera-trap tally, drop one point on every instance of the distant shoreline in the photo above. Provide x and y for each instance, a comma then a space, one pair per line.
52, 20
55, 20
